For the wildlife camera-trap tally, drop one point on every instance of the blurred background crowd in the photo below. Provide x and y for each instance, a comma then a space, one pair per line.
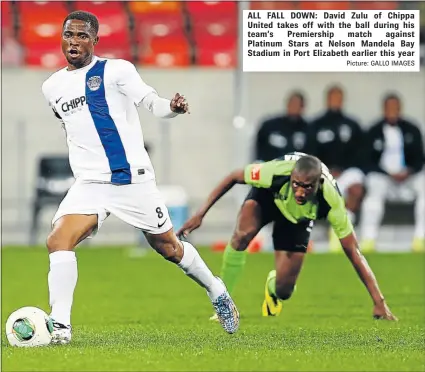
367, 127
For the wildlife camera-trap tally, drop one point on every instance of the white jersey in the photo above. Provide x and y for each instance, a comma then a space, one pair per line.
97, 107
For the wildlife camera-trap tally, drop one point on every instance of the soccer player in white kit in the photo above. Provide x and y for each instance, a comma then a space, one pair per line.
95, 99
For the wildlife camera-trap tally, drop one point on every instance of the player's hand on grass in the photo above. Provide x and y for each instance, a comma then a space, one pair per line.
382, 311
192, 224
179, 104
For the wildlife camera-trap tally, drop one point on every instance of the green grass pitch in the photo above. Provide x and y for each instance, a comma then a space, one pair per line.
134, 314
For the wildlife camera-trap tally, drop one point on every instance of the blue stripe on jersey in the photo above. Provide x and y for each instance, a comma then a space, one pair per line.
105, 126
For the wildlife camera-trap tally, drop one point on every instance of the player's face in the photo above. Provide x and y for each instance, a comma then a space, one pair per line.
392, 110
335, 99
295, 106
305, 186
78, 40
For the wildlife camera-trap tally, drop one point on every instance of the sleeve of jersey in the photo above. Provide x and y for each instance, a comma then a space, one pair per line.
337, 216
259, 174
132, 85
159, 106
45, 91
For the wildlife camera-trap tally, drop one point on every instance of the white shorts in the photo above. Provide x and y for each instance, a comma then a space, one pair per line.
382, 186
348, 178
139, 204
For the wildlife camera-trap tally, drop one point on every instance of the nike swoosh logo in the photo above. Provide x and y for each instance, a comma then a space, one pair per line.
162, 224
58, 99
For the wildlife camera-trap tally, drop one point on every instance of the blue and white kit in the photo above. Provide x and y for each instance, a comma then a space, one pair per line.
97, 106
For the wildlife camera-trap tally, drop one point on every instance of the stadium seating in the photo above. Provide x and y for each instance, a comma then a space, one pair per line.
104, 7
141, 7
222, 55
39, 31
214, 32
214, 25
154, 25
49, 57
6, 16
168, 52
273, 5
11, 50
40, 23
160, 33
7, 29
41, 7
209, 7
114, 34
324, 5
160, 37
375, 5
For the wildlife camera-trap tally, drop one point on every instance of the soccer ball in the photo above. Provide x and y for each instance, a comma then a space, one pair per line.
29, 327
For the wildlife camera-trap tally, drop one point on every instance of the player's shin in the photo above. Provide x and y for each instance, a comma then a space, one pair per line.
372, 213
195, 267
232, 266
272, 306
62, 280
271, 285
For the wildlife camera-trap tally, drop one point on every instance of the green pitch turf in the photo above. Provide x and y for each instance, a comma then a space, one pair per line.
143, 314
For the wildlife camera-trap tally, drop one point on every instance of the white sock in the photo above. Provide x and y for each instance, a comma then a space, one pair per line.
195, 267
62, 280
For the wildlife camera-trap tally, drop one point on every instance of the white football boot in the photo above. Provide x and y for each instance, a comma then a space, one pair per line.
226, 311
61, 334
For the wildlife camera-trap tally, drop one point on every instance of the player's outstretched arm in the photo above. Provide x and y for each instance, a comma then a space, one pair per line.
130, 83
165, 108
341, 224
236, 177
351, 249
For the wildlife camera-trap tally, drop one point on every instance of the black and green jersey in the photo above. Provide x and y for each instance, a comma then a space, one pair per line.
328, 204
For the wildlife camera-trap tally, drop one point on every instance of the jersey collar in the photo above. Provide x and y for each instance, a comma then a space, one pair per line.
85, 68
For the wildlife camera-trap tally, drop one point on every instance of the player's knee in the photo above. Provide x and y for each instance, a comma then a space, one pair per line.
241, 240
56, 242
376, 185
284, 292
356, 191
171, 251
354, 197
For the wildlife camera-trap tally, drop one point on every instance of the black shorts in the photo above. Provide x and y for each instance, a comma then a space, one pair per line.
287, 236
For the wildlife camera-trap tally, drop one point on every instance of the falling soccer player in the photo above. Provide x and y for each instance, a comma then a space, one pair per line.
292, 192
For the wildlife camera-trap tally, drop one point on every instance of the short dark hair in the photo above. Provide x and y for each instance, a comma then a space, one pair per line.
307, 164
334, 89
297, 94
391, 96
87, 17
